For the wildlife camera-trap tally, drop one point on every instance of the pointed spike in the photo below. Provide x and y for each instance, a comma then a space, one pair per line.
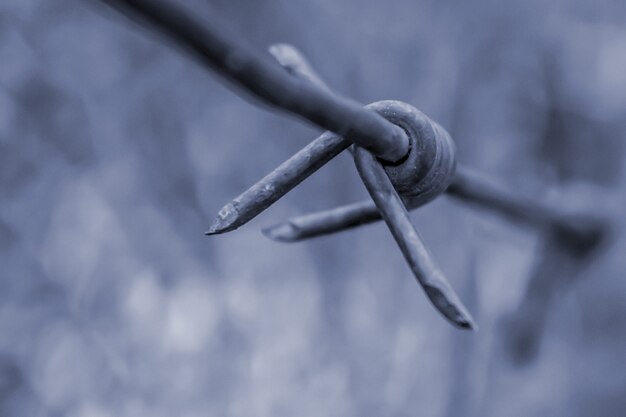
227, 220
425, 270
277, 183
450, 306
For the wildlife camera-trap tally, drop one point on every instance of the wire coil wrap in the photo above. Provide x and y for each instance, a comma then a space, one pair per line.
429, 167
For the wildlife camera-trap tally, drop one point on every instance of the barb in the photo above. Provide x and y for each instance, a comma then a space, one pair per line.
221, 50
325, 222
395, 215
468, 186
279, 182
290, 173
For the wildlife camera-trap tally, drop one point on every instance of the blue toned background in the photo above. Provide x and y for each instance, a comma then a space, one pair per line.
116, 151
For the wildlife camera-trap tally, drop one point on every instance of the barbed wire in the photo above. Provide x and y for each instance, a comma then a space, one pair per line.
404, 159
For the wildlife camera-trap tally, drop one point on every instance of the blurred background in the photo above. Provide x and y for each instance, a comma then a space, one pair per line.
117, 150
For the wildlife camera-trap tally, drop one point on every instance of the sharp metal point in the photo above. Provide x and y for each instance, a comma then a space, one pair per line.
226, 220
394, 212
277, 183
451, 307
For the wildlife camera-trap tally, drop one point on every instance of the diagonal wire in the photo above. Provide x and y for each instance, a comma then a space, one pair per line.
417, 256
220, 49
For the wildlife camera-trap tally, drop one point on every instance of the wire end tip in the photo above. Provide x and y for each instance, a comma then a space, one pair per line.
451, 307
282, 232
465, 324
211, 231
227, 220
461, 318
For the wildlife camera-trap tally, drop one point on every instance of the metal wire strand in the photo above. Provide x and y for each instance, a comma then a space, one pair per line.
223, 51
277, 183
419, 259
469, 187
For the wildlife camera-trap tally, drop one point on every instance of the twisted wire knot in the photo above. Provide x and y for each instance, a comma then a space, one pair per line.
429, 167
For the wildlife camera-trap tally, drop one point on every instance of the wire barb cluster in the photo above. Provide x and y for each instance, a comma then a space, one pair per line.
404, 159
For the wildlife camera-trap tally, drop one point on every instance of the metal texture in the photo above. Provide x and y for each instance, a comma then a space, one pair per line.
394, 213
277, 183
